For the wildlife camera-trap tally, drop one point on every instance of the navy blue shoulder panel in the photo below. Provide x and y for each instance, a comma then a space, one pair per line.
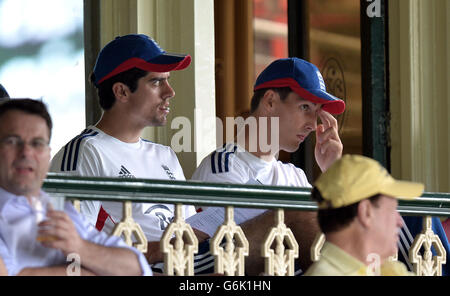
72, 149
222, 158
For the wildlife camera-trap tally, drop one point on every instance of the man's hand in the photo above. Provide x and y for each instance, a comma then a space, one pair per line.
58, 232
154, 253
3, 269
58, 270
328, 144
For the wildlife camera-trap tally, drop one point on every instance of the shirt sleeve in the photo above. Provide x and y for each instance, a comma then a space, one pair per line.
87, 163
89, 233
83, 160
210, 218
210, 171
7, 258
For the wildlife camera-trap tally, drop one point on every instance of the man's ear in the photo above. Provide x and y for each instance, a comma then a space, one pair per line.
365, 213
121, 91
269, 100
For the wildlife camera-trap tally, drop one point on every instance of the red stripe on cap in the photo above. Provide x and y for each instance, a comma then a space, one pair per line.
144, 65
334, 107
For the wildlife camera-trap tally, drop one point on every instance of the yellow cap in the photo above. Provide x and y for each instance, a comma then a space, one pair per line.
354, 178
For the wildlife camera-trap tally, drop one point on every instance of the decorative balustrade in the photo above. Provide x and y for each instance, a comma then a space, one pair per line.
229, 244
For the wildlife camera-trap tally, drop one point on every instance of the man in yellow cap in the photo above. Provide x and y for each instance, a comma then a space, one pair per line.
357, 201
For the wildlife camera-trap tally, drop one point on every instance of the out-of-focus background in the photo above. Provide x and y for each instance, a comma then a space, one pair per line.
42, 56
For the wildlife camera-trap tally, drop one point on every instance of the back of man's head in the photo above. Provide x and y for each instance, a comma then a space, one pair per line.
105, 92
348, 181
283, 92
336, 219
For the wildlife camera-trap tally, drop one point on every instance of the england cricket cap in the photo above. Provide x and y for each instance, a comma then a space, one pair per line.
136, 51
303, 78
353, 178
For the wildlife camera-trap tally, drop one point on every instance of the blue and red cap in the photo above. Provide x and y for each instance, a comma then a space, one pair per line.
303, 78
136, 51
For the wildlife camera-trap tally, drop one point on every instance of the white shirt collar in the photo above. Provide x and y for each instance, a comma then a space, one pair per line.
7, 197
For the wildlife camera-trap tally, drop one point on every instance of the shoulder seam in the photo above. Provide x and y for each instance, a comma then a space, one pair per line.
75, 143
225, 152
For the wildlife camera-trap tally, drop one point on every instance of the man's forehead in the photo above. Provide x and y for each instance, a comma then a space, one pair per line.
18, 114
13, 120
161, 75
300, 99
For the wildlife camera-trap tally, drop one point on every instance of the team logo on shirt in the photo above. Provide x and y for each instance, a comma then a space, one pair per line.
163, 213
124, 173
168, 172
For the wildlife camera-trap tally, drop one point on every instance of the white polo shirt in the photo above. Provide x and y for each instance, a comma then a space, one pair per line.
233, 164
94, 153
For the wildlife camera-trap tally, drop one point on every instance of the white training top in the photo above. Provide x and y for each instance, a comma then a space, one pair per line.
94, 153
233, 164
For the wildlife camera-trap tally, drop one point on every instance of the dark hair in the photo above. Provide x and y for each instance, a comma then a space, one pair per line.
283, 92
331, 220
3, 92
29, 106
104, 90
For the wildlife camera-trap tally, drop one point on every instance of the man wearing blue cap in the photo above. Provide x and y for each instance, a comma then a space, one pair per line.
131, 76
291, 92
